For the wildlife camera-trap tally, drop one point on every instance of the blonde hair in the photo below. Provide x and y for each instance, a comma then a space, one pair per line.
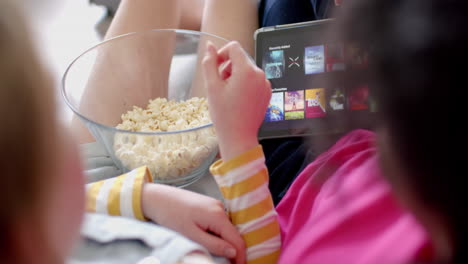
27, 132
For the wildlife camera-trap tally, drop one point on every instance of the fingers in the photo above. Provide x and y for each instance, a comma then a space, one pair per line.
214, 244
216, 232
268, 92
226, 70
231, 57
229, 233
221, 226
268, 84
233, 51
210, 66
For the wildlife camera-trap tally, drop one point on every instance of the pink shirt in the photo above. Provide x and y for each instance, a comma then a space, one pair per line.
341, 210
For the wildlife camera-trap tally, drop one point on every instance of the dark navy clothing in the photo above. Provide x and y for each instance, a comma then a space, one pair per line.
278, 12
285, 159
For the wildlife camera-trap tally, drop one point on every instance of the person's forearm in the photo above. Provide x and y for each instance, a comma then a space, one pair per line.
119, 195
231, 148
153, 195
243, 181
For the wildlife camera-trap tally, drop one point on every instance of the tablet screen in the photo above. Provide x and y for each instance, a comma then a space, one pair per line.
318, 85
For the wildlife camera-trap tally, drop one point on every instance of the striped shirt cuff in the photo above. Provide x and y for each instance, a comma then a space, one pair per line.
120, 195
243, 181
221, 168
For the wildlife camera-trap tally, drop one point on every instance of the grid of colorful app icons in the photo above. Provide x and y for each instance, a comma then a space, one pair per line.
311, 102
334, 57
317, 102
358, 98
330, 58
355, 57
275, 110
294, 105
273, 64
316, 59
336, 99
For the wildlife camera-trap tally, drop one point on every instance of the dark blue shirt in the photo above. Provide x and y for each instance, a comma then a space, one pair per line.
278, 12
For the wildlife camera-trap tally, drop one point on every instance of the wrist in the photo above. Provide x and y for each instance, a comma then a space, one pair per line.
231, 148
148, 197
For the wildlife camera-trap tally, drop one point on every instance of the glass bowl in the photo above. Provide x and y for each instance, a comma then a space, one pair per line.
128, 71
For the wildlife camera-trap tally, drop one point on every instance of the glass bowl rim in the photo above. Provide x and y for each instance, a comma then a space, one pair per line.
126, 35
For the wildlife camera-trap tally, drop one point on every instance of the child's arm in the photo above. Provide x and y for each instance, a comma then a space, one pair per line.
243, 181
238, 95
198, 217
120, 195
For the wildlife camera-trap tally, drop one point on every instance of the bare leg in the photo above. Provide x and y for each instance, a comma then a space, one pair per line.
192, 13
140, 15
146, 14
231, 19
121, 67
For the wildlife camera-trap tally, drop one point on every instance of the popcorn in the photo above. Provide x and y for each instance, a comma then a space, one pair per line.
167, 155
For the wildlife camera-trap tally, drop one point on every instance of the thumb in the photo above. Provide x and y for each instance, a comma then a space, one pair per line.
210, 66
214, 244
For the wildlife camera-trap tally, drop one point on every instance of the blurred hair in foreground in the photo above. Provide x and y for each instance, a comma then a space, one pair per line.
415, 47
27, 134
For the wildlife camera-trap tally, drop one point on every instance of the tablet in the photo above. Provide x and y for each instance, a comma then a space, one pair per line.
318, 83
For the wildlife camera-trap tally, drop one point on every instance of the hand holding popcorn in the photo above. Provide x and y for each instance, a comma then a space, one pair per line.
238, 95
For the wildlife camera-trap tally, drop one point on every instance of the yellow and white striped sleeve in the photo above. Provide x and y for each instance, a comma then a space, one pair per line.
120, 195
243, 181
